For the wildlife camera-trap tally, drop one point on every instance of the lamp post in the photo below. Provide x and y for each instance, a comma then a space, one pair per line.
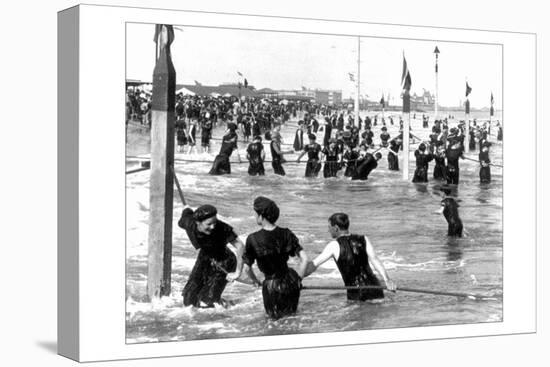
436, 52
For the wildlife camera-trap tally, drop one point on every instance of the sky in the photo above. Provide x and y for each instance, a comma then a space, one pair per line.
280, 60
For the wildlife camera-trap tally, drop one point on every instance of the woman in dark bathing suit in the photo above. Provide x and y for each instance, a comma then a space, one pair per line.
271, 247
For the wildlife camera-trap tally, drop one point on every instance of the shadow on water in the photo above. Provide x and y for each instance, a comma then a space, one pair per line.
421, 188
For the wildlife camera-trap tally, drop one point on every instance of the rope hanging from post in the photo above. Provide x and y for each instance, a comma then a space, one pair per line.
178, 186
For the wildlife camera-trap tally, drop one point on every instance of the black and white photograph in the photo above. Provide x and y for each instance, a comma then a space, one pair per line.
286, 182
275, 183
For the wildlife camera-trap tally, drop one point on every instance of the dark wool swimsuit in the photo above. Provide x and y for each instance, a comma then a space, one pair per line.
450, 211
207, 281
331, 167
353, 263
364, 167
256, 166
422, 161
439, 168
281, 287
276, 160
313, 165
221, 164
393, 160
484, 172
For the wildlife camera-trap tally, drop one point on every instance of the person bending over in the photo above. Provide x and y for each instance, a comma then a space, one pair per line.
216, 264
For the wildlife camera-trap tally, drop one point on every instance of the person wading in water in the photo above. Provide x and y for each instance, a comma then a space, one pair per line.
354, 255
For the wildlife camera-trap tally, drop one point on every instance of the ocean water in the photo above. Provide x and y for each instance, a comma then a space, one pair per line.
398, 217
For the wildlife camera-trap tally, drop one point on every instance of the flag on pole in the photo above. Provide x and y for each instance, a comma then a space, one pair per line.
492, 103
406, 80
468, 89
382, 102
351, 77
238, 72
163, 38
406, 83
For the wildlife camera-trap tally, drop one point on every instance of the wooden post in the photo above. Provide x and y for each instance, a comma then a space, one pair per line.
161, 192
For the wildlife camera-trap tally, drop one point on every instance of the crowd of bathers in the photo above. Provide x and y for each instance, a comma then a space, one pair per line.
334, 142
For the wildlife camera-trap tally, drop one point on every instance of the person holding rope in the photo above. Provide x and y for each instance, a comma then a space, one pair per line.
277, 154
439, 172
393, 157
312, 149
298, 144
349, 157
455, 150
216, 264
353, 255
384, 137
423, 159
484, 163
271, 248
221, 164
206, 132
332, 159
181, 134
255, 154
365, 163
191, 136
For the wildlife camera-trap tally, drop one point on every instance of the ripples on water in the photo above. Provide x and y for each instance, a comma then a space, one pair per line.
397, 216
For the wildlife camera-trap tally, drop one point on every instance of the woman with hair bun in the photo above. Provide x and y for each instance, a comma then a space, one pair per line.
271, 248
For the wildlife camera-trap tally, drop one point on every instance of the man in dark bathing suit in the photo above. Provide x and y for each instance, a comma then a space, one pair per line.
215, 264
271, 247
354, 255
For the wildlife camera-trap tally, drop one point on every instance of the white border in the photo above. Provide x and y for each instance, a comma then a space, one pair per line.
102, 232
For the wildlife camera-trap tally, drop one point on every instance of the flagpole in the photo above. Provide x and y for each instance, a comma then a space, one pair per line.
436, 52
467, 120
406, 112
467, 131
358, 81
406, 145
491, 111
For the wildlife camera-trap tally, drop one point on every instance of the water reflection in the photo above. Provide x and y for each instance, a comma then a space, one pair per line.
454, 249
